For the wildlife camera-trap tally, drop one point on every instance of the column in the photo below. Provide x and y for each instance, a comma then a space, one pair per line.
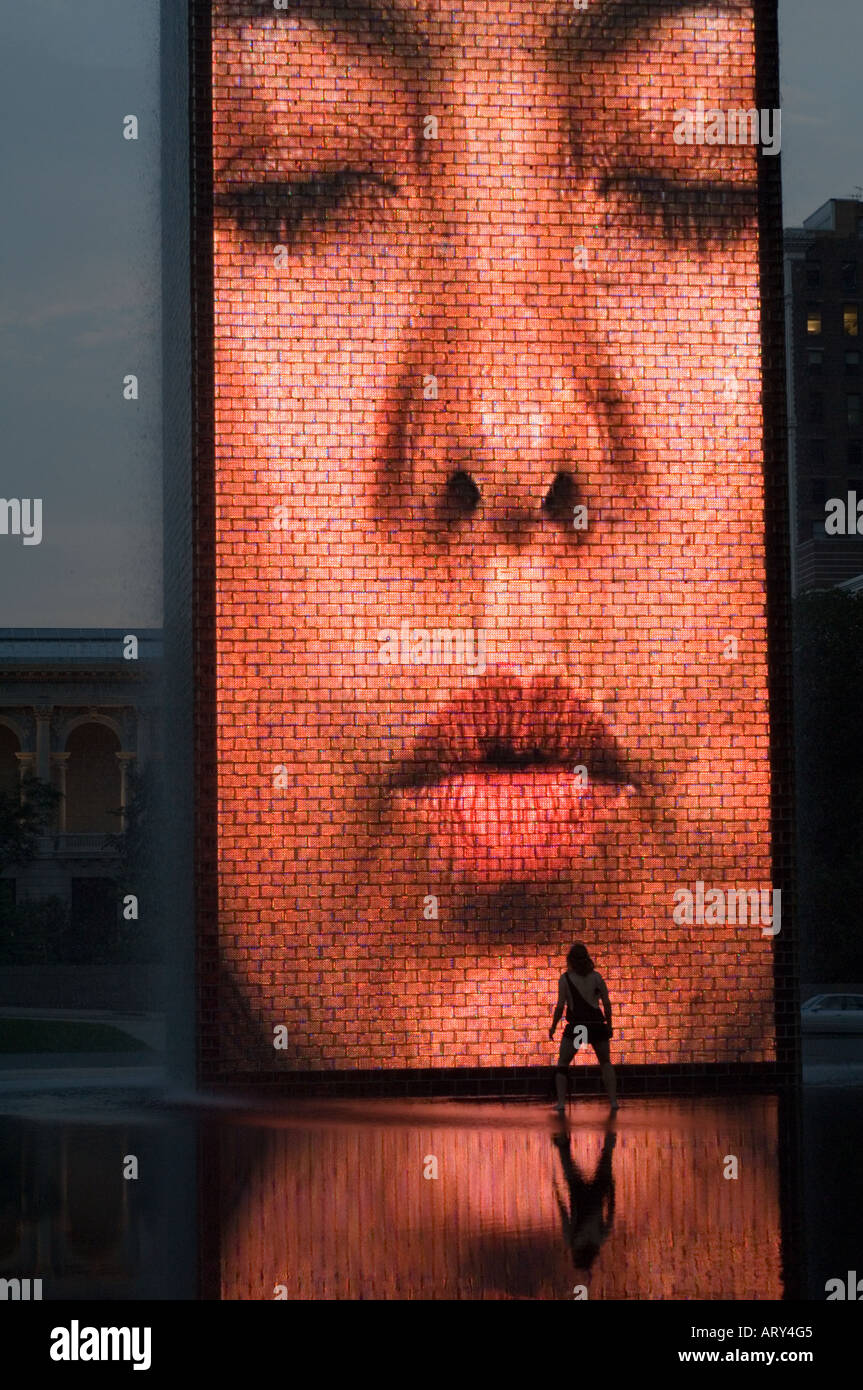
26, 765
141, 734
43, 742
124, 759
59, 762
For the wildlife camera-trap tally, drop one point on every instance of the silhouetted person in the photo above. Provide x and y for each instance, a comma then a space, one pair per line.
579, 988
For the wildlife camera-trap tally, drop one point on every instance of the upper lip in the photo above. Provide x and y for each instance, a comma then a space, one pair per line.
504, 724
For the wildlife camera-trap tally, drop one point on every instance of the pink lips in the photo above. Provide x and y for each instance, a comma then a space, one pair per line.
512, 783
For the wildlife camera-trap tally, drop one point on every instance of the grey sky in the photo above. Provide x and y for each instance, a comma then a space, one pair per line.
820, 54
79, 242
80, 308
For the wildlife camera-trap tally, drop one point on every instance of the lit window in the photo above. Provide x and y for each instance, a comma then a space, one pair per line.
813, 318
850, 319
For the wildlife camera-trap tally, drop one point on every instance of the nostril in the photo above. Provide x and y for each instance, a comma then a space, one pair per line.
462, 494
561, 498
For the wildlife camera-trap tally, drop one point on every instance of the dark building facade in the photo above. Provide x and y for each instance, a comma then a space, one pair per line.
823, 294
78, 710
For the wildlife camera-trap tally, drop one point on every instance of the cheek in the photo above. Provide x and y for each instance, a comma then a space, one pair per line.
311, 359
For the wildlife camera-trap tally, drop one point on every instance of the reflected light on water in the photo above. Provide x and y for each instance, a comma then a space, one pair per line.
341, 1201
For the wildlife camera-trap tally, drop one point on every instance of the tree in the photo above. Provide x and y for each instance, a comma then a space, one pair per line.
140, 866
23, 819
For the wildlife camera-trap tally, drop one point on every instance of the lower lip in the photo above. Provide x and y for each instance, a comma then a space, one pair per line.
513, 827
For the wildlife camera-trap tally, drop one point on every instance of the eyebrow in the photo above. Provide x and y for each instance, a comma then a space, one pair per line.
615, 20
393, 28
379, 24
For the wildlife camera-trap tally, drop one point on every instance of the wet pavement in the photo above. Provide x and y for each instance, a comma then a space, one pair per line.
677, 1198
450, 1199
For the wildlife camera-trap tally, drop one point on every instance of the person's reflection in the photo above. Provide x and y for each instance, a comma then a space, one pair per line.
589, 1216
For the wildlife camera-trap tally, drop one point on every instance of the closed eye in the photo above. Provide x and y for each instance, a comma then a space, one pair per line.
702, 213
284, 211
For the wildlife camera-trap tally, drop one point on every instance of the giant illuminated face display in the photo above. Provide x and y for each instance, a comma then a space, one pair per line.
491, 653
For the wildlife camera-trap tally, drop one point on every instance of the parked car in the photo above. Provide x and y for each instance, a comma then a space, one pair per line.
833, 1013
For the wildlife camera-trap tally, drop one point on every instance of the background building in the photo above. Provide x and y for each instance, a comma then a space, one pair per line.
78, 710
823, 279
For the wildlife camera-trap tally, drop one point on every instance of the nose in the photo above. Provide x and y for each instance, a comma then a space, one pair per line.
505, 426
515, 436
503, 399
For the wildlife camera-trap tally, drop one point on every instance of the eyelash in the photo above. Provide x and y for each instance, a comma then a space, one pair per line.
684, 212
689, 213
287, 208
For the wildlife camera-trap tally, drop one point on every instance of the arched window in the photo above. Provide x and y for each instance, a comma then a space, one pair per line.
93, 780
9, 746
